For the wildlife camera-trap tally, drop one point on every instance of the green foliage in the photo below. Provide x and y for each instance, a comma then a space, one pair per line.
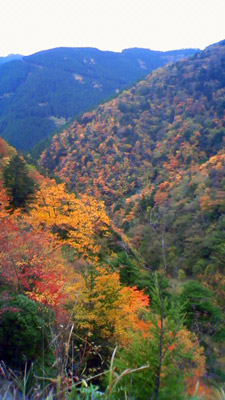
19, 186
24, 332
181, 275
128, 270
85, 392
201, 314
141, 384
164, 358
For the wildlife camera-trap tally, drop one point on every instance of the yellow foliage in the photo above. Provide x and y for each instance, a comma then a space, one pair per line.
100, 304
191, 346
73, 220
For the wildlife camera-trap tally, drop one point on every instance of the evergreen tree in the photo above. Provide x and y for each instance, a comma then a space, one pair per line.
203, 316
19, 186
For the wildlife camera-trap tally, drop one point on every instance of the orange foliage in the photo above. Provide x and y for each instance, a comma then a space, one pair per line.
29, 262
160, 197
203, 390
74, 221
5, 150
4, 202
190, 345
101, 304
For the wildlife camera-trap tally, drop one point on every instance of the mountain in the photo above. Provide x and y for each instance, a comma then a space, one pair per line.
41, 92
155, 154
10, 57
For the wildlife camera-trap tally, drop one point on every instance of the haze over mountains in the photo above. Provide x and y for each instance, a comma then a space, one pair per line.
41, 92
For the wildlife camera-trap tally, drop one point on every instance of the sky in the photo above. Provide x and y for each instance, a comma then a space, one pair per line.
28, 26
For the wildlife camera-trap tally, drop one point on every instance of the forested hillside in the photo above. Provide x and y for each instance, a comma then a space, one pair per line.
71, 289
41, 92
156, 156
112, 273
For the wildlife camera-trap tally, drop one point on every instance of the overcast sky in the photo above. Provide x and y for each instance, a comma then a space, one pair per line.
27, 26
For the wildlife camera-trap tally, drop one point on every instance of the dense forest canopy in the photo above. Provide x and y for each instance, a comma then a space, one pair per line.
155, 155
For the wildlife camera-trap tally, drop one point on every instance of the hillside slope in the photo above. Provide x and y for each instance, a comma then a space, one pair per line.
156, 156
173, 116
41, 92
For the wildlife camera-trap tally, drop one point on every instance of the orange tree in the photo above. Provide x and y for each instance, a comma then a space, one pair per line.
30, 263
71, 220
102, 308
104, 312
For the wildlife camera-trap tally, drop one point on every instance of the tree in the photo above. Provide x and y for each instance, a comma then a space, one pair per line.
203, 317
71, 220
30, 263
24, 330
169, 351
4, 203
100, 305
19, 186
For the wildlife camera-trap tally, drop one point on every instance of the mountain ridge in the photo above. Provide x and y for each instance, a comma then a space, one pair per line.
40, 92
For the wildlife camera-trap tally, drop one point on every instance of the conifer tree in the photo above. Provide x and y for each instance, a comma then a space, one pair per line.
19, 186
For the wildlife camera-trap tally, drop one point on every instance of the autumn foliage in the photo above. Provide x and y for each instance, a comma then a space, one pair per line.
102, 306
70, 220
141, 190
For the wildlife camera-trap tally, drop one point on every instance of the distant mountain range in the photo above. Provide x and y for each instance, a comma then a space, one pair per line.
41, 92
